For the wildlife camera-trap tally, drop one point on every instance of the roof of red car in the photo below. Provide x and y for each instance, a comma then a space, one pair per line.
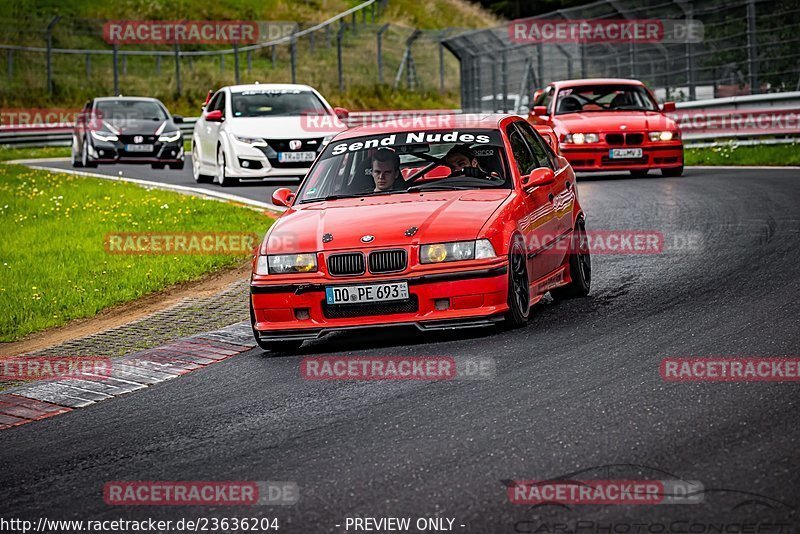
596, 81
419, 122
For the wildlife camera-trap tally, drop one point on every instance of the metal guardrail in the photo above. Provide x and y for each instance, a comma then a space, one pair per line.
741, 117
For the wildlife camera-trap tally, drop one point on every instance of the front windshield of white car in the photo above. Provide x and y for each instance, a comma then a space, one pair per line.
606, 97
276, 103
401, 162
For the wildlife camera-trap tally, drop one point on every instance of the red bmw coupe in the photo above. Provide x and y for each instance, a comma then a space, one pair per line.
458, 226
611, 124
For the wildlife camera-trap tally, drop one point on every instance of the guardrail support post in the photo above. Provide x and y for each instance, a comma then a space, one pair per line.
293, 54
158, 65
178, 87
222, 64
504, 77
274, 56
88, 66
10, 63
752, 48
115, 61
379, 36
339, 36
249, 61
124, 64
441, 67
49, 35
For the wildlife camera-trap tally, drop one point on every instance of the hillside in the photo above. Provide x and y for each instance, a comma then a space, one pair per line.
78, 77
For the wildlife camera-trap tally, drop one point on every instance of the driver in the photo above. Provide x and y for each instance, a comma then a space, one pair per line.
386, 170
461, 160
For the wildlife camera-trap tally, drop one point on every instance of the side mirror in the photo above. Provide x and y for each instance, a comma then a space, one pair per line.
208, 97
282, 196
539, 110
177, 119
537, 177
214, 116
669, 107
342, 113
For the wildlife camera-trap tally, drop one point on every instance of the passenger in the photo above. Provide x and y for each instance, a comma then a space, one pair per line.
386, 170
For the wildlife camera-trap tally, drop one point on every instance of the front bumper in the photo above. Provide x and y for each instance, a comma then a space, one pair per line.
249, 162
114, 152
595, 157
475, 297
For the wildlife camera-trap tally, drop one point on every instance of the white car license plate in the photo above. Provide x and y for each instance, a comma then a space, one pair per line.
366, 293
139, 148
296, 156
623, 153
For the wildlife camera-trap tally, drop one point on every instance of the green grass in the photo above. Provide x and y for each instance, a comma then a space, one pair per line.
8, 153
733, 154
53, 262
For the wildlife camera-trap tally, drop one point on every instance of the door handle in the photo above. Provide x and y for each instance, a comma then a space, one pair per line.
551, 196
568, 185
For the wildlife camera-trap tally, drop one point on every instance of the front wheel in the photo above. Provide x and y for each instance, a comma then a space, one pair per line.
76, 159
223, 179
196, 174
86, 161
672, 172
580, 267
519, 300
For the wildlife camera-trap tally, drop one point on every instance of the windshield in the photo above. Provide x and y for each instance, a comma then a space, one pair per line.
274, 103
127, 110
405, 162
604, 98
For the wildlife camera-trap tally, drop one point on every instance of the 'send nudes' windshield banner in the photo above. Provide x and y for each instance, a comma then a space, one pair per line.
484, 137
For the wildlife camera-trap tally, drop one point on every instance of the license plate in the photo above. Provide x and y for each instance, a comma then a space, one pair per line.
139, 148
366, 293
623, 153
296, 156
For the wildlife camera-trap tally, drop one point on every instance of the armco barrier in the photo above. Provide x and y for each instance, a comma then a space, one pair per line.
775, 114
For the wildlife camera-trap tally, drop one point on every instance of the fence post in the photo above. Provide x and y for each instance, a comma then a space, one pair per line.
539, 65
88, 66
178, 87
373, 12
380, 50
274, 55
752, 48
10, 63
115, 61
158, 65
583, 59
311, 42
355, 23
222, 63
124, 64
441, 67
293, 54
49, 34
236, 63
339, 36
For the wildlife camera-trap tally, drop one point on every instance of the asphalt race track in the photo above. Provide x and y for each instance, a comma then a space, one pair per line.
577, 390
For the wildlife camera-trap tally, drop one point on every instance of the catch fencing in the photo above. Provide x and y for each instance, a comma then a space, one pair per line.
701, 49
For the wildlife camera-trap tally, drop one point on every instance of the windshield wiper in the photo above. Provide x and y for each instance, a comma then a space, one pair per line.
330, 197
441, 187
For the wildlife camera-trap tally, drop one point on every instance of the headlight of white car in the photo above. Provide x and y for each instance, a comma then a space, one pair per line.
456, 251
253, 141
104, 136
581, 138
286, 264
169, 137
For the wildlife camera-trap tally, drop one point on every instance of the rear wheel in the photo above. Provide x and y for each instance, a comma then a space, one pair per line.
640, 173
672, 171
580, 267
272, 346
519, 299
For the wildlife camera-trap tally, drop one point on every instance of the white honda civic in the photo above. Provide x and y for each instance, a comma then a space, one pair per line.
261, 131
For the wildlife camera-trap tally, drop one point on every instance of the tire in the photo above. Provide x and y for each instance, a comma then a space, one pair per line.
199, 178
76, 161
157, 165
672, 172
272, 346
580, 267
639, 173
85, 161
519, 297
224, 181
176, 166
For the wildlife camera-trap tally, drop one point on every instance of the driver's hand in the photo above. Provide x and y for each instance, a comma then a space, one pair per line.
472, 172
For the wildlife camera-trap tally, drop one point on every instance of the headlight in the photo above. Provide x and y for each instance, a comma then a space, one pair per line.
456, 251
104, 136
581, 138
254, 141
662, 136
169, 137
286, 263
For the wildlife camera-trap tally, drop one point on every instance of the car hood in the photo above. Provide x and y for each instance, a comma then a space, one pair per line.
293, 127
138, 126
438, 216
635, 121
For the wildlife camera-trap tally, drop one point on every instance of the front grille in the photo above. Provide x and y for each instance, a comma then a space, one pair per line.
615, 139
146, 139
346, 264
387, 261
341, 311
282, 145
634, 139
